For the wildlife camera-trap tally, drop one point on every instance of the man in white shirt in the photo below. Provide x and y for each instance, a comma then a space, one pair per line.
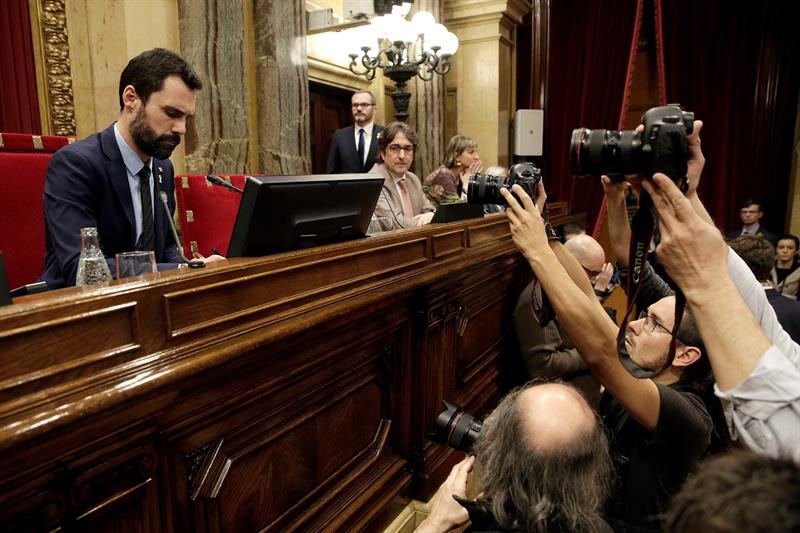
353, 149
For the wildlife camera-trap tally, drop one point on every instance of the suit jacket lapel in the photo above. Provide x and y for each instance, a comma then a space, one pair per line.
118, 176
373, 145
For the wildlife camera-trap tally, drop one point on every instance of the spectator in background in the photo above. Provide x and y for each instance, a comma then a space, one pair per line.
751, 214
353, 149
448, 183
402, 204
785, 275
759, 255
741, 491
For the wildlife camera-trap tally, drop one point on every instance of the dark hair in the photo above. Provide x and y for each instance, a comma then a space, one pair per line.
757, 252
527, 489
789, 236
388, 134
147, 72
751, 201
740, 491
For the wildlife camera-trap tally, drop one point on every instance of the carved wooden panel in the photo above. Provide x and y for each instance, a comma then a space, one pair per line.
291, 392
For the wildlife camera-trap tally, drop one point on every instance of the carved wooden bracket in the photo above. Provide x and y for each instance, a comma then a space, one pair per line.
207, 468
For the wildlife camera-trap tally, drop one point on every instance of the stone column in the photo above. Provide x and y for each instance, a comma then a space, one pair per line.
252, 114
282, 87
426, 108
483, 82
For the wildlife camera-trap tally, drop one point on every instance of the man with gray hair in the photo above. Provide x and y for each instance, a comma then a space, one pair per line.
542, 464
547, 351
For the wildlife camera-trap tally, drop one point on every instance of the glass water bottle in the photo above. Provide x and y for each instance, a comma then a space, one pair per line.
92, 265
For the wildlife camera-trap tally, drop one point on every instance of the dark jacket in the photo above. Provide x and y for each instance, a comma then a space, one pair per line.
343, 153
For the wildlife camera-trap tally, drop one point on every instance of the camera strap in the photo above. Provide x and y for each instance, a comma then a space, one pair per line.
642, 228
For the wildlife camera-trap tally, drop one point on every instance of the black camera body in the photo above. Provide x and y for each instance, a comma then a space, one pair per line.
661, 147
456, 428
485, 188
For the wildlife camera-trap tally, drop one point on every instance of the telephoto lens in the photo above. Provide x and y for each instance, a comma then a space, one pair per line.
456, 428
485, 188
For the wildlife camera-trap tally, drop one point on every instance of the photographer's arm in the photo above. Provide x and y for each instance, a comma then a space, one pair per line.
581, 315
617, 212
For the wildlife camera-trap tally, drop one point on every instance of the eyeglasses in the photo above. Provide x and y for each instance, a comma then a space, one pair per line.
591, 273
397, 148
356, 106
651, 323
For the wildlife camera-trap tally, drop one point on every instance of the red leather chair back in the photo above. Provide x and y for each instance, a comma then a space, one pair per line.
23, 165
207, 212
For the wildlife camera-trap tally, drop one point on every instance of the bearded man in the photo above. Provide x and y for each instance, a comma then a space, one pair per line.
112, 180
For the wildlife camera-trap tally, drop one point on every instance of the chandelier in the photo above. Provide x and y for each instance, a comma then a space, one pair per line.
404, 49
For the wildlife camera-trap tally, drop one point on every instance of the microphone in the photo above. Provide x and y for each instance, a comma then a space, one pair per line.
216, 180
194, 263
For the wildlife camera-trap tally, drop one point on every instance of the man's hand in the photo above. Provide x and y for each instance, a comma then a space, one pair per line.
446, 513
213, 258
692, 251
615, 190
527, 225
423, 218
603, 281
696, 160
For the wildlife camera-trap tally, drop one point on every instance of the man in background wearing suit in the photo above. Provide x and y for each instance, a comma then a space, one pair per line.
751, 214
401, 204
354, 148
112, 180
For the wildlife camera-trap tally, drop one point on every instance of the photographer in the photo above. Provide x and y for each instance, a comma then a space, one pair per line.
660, 427
541, 464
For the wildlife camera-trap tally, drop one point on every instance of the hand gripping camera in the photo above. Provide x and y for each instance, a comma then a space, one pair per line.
662, 147
485, 188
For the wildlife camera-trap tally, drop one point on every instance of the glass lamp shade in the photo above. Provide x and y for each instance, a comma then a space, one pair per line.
450, 44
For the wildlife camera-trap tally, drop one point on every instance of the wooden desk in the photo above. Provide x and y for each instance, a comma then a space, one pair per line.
286, 392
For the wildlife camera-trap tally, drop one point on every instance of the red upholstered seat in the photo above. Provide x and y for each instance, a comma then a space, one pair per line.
207, 212
23, 164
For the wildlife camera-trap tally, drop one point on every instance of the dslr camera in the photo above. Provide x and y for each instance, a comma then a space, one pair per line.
456, 428
485, 188
661, 147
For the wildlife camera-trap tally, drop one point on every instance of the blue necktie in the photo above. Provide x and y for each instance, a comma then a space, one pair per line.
361, 148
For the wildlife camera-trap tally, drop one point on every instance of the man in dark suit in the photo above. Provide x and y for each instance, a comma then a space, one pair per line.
112, 180
751, 214
760, 257
354, 148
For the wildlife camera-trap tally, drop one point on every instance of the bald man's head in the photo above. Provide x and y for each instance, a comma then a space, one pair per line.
587, 251
543, 457
554, 415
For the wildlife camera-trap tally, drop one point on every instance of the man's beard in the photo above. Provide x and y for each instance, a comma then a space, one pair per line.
144, 136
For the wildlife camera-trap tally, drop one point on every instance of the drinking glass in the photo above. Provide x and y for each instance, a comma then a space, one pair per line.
135, 264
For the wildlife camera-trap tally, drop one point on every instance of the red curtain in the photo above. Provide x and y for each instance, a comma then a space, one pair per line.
737, 66
19, 103
587, 83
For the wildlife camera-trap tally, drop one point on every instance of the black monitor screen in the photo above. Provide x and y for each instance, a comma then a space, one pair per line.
281, 213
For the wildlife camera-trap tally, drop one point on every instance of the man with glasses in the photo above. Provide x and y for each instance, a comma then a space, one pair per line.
751, 214
402, 204
659, 427
354, 148
547, 351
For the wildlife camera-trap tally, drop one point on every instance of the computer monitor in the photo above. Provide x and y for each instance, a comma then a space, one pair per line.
282, 213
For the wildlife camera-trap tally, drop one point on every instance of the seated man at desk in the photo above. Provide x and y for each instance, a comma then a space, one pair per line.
112, 180
402, 204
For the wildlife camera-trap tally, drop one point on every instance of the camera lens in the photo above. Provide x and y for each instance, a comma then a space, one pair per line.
456, 428
596, 152
485, 188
